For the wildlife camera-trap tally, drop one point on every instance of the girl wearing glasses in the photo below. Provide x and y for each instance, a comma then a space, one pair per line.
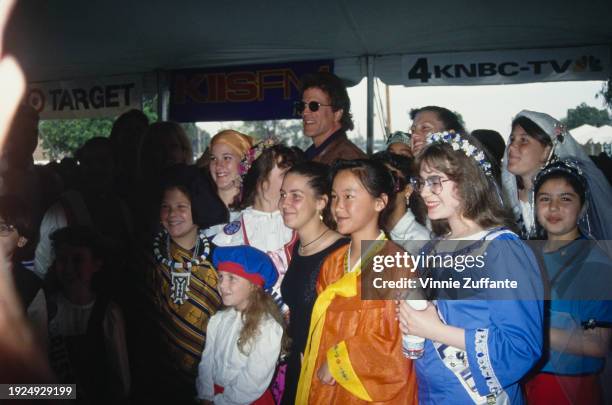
476, 350
362, 337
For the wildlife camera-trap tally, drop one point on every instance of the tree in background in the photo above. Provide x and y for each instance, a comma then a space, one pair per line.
63, 137
606, 93
585, 114
288, 131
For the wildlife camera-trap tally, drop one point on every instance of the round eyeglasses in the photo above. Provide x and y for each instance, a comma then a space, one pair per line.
6, 229
433, 182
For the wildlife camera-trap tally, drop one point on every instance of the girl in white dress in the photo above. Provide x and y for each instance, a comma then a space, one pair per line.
244, 341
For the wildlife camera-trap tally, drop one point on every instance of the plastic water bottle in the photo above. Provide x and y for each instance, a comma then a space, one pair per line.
414, 346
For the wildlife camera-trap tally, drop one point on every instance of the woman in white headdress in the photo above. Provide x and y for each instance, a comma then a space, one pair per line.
536, 140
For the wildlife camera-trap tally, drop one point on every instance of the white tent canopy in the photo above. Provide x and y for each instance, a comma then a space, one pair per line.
67, 39
588, 133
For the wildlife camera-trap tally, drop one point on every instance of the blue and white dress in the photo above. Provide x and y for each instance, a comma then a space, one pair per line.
503, 328
580, 275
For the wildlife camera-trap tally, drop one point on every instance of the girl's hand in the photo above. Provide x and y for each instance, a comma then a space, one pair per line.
423, 323
324, 375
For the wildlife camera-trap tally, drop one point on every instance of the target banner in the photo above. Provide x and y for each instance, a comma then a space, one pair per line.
91, 98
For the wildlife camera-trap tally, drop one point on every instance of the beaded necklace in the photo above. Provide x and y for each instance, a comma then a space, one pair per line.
180, 280
202, 243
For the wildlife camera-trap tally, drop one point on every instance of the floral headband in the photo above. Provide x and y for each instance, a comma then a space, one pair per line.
457, 142
255, 152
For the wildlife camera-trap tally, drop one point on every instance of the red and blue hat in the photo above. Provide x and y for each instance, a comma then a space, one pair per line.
246, 262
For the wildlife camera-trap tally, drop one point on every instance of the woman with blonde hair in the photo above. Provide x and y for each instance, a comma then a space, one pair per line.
225, 162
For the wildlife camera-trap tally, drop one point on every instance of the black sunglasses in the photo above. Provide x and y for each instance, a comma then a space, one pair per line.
313, 106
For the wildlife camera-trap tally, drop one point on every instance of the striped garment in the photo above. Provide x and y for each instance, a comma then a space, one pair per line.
183, 326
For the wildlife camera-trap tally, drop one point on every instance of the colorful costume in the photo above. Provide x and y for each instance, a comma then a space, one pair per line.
359, 339
580, 276
267, 232
184, 300
244, 378
503, 334
239, 372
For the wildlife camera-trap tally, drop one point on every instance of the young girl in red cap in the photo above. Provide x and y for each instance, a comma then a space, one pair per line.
244, 341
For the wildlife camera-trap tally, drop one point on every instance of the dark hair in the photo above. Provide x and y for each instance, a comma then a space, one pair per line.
131, 123
494, 146
375, 178
83, 237
572, 180
15, 211
479, 195
152, 154
336, 90
93, 144
450, 120
319, 181
405, 166
280, 155
206, 209
533, 130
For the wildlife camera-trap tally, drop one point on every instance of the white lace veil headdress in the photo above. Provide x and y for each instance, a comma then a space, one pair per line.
564, 146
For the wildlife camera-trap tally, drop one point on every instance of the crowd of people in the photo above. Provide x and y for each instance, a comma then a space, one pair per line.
239, 279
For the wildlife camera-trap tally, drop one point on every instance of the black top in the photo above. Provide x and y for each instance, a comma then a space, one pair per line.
299, 292
27, 284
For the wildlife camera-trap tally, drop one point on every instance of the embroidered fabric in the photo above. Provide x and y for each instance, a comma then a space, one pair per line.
484, 362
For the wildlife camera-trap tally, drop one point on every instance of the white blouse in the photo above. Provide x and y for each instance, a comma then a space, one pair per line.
265, 231
409, 233
244, 378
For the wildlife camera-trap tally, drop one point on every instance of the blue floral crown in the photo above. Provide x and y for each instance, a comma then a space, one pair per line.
458, 142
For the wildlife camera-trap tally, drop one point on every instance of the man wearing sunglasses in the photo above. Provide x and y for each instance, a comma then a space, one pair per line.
325, 109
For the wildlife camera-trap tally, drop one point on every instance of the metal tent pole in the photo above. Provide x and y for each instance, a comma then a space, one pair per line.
370, 105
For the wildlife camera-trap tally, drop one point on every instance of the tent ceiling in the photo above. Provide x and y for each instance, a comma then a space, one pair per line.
64, 39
